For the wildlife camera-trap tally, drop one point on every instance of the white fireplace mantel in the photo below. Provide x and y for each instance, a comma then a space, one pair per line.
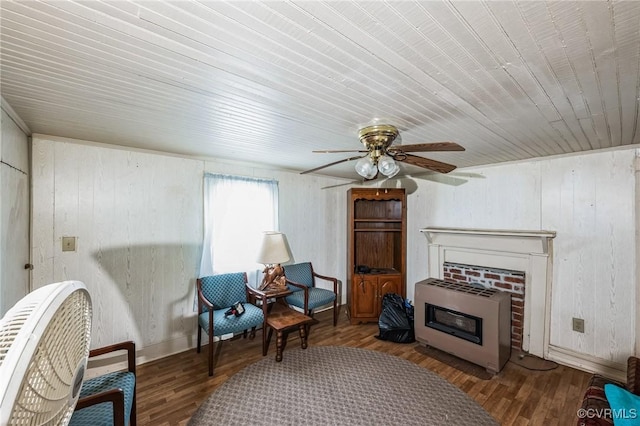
527, 251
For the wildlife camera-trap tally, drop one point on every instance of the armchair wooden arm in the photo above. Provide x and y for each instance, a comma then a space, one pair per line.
326, 278
203, 300
306, 293
306, 289
129, 346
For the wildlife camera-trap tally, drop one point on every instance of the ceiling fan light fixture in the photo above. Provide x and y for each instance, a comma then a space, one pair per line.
388, 166
366, 168
383, 158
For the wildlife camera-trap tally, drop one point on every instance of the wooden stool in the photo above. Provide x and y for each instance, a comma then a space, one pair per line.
281, 318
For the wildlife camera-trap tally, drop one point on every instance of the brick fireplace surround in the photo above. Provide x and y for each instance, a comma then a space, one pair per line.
499, 279
528, 252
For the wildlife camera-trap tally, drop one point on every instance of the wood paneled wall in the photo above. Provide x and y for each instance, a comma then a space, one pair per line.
138, 219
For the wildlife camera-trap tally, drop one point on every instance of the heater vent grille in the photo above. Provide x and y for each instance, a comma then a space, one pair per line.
462, 288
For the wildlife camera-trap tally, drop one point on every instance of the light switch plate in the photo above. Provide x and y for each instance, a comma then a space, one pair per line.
68, 243
578, 325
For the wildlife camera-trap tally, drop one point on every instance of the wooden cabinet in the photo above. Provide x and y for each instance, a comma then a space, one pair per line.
367, 295
376, 240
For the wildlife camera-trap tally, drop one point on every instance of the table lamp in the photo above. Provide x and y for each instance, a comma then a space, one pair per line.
272, 253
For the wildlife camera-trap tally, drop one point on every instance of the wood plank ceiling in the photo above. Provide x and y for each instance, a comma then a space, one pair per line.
268, 82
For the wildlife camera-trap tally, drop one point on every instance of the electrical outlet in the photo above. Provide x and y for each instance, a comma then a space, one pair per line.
578, 325
68, 243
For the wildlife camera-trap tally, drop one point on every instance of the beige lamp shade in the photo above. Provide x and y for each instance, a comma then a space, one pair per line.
274, 249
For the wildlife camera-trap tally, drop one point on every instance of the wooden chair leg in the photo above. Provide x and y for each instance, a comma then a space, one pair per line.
252, 335
210, 353
307, 326
133, 420
265, 345
199, 338
335, 312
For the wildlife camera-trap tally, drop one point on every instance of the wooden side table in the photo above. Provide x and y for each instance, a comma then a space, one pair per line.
281, 318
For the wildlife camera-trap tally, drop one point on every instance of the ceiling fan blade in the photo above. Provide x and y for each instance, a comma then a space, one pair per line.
424, 147
427, 163
337, 150
330, 164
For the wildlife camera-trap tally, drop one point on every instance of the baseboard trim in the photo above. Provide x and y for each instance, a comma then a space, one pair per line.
107, 364
591, 364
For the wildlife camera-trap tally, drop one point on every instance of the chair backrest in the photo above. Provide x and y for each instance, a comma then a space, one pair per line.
225, 289
301, 273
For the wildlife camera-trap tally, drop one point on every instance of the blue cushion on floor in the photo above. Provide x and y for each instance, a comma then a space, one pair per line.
625, 406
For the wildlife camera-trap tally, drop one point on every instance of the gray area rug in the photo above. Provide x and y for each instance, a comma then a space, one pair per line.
329, 385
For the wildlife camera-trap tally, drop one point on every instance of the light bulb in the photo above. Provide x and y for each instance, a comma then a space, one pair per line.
366, 168
387, 166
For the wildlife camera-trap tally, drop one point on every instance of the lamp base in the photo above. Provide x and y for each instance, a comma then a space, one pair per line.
273, 279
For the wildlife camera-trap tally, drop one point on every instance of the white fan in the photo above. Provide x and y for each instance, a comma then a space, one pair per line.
44, 347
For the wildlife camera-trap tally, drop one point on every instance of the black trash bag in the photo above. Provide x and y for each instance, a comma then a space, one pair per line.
396, 320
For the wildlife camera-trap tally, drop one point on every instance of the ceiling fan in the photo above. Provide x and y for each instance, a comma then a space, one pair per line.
381, 156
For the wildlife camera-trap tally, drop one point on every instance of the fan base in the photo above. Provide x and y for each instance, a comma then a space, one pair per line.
378, 137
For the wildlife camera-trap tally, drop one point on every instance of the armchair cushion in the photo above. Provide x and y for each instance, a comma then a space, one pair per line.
224, 290
301, 273
252, 317
317, 297
102, 414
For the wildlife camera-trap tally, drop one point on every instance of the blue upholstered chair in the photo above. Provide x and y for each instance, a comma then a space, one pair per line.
216, 294
110, 399
306, 296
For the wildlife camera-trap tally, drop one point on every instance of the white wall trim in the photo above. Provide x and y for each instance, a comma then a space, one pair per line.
15, 117
588, 363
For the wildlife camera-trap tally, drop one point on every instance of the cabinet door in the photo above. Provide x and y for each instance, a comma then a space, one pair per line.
365, 297
389, 284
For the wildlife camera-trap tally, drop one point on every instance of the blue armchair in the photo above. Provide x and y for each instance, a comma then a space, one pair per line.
301, 281
110, 399
216, 294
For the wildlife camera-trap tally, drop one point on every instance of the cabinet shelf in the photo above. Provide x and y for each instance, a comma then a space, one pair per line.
378, 220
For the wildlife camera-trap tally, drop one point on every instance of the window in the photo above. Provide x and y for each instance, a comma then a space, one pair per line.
237, 210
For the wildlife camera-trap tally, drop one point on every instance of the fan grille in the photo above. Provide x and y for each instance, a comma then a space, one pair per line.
45, 397
11, 327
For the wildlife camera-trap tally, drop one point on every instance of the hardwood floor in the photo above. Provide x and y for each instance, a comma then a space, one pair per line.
171, 389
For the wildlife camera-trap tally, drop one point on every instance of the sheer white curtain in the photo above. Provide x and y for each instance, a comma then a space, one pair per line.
237, 210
